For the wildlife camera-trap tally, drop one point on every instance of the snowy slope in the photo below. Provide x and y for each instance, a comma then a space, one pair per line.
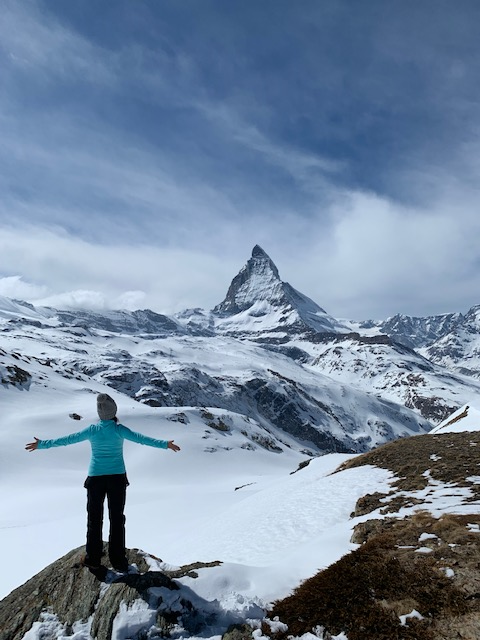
261, 310
451, 340
459, 349
417, 332
14, 310
179, 505
285, 397
214, 500
394, 372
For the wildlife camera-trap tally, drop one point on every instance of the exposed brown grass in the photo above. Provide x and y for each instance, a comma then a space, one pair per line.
460, 416
450, 457
365, 592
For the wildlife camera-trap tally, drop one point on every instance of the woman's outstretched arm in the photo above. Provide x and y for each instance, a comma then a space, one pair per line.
73, 438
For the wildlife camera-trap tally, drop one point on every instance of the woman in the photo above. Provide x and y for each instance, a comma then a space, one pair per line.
106, 477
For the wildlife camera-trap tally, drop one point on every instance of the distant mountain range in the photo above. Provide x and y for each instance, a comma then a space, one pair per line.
267, 352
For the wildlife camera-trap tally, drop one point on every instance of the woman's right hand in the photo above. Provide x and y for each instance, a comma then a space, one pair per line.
173, 446
32, 446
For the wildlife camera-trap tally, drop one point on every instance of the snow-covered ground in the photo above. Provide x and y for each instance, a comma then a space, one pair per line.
214, 500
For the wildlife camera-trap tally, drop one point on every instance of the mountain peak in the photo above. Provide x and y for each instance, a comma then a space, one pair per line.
258, 291
259, 253
261, 261
254, 282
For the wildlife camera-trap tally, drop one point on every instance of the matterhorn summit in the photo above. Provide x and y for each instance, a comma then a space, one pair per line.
257, 281
258, 300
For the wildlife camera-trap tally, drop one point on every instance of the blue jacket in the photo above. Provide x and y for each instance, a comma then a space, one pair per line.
106, 439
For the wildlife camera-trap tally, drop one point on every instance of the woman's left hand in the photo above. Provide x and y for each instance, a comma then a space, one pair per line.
173, 446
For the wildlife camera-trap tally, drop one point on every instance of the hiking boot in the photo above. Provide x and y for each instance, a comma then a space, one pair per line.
98, 570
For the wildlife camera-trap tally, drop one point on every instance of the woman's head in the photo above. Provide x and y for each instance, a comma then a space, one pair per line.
106, 407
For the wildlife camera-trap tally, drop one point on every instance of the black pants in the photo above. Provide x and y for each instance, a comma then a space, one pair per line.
114, 488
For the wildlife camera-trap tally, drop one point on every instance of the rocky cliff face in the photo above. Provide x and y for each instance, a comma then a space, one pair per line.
459, 349
132, 322
419, 332
451, 340
277, 390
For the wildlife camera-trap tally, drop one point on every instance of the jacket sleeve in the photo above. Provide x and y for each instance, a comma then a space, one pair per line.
73, 438
139, 438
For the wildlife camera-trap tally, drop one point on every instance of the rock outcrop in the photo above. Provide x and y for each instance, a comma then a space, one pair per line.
68, 594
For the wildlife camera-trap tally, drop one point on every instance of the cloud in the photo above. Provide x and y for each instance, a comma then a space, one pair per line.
130, 300
80, 299
16, 287
91, 300
378, 258
384, 258
35, 42
75, 272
